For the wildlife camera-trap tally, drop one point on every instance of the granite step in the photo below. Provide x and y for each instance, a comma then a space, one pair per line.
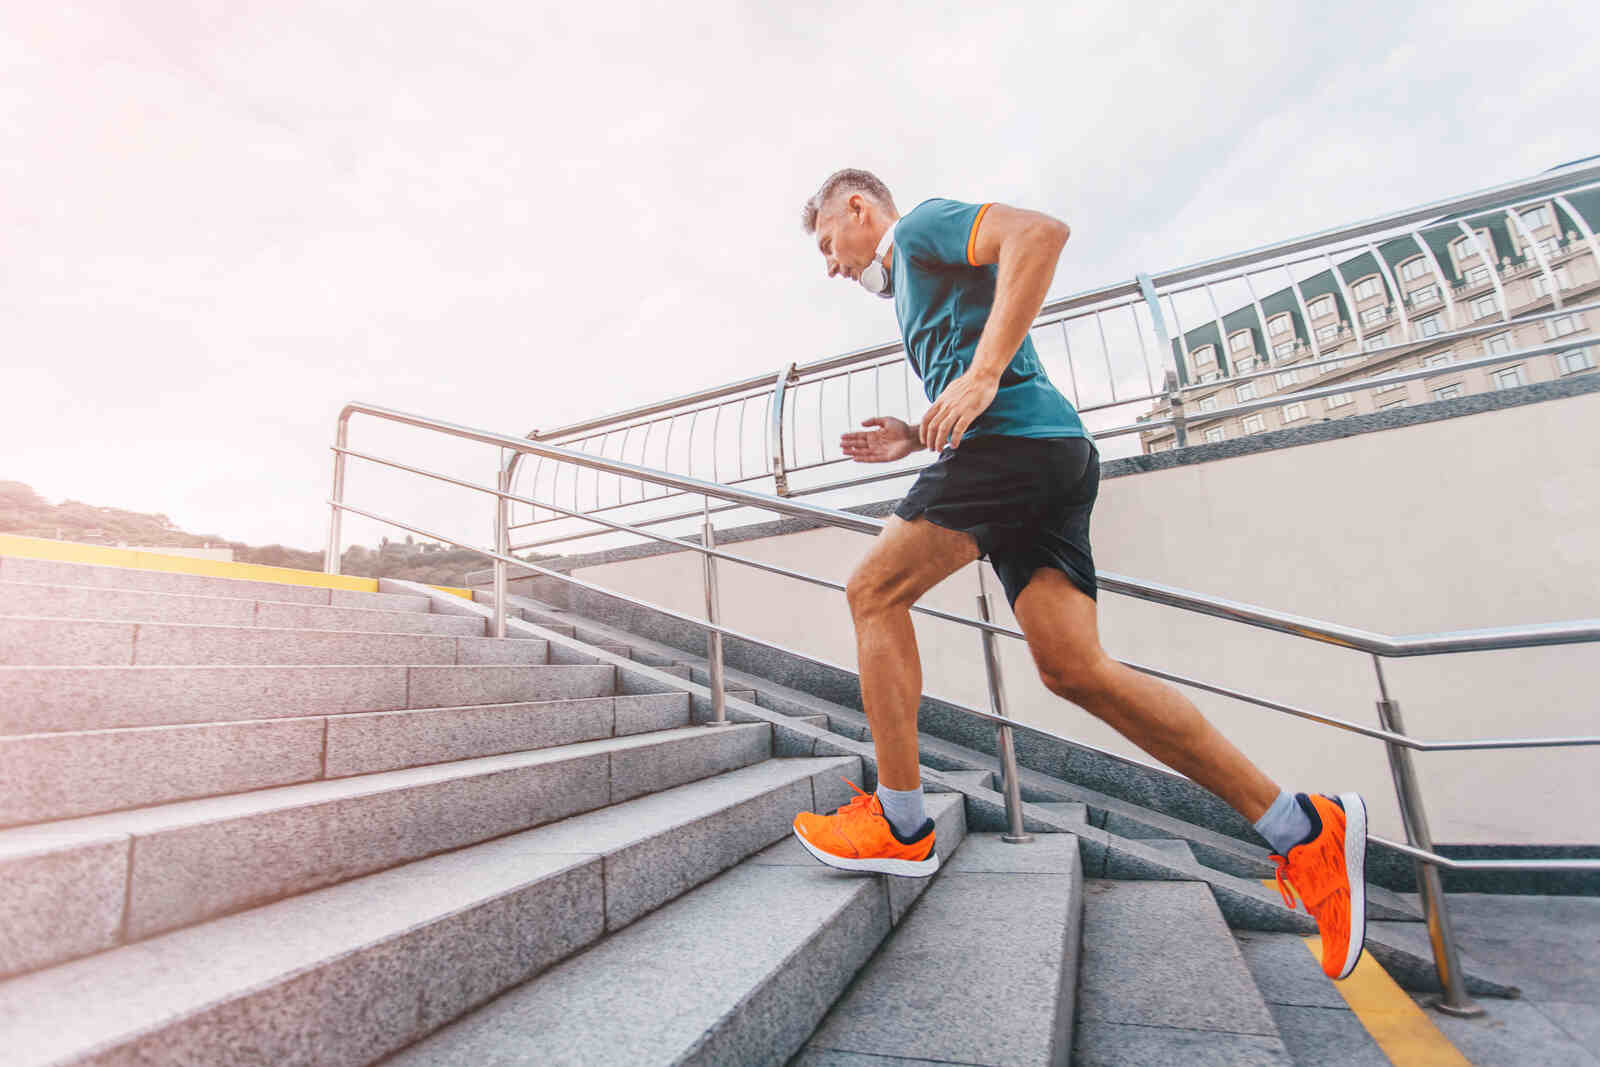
347, 974
49, 699
133, 605
76, 886
55, 572
1163, 981
64, 775
79, 642
982, 971
1314, 1020
753, 959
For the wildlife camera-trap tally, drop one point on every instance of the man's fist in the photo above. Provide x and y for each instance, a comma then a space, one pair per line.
890, 440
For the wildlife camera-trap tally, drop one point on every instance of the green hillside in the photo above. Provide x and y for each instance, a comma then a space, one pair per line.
25, 512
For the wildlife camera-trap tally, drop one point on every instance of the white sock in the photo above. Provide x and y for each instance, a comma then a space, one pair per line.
1285, 824
903, 808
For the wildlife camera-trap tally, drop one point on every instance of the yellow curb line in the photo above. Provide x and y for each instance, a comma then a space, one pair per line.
1402, 1029
133, 559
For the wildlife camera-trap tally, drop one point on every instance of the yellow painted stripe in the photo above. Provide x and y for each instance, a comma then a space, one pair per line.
1402, 1030
135, 559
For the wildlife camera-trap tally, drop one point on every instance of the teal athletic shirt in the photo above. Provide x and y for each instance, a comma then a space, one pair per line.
942, 300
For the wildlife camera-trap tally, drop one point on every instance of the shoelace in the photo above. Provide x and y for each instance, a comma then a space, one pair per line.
1284, 884
860, 800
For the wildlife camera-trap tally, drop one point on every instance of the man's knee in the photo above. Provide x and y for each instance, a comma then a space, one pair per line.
868, 592
1079, 678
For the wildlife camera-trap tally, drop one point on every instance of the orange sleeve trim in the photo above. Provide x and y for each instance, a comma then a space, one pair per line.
972, 238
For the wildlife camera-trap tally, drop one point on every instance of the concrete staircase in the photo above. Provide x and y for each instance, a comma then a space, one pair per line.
254, 823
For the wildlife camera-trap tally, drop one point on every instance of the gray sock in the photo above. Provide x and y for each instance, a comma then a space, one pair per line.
1285, 824
903, 808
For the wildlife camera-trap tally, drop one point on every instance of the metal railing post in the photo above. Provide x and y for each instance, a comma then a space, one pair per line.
708, 538
780, 394
1454, 1000
1175, 409
997, 703
330, 559
502, 543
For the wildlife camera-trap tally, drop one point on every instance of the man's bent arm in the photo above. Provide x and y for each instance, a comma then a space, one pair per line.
1026, 245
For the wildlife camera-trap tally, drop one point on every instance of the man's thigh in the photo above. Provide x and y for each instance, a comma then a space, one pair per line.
1058, 619
909, 558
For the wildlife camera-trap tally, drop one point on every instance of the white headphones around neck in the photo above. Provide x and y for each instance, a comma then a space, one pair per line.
875, 279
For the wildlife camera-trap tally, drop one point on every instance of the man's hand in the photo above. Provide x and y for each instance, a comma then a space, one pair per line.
962, 401
891, 440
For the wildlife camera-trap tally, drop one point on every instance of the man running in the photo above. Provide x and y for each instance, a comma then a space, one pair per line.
1015, 481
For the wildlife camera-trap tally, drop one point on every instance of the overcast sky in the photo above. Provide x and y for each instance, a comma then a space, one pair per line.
224, 220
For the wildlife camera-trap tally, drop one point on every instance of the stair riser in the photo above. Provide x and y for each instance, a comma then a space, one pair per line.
359, 1003
60, 642
188, 874
71, 602
53, 572
44, 699
60, 776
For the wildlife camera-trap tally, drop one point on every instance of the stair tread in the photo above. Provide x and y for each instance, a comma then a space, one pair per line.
999, 916
21, 840
1158, 956
131, 989
714, 947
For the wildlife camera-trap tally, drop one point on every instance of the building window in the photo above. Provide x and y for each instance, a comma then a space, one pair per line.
1328, 332
1574, 361
1397, 402
1550, 246
1438, 359
1368, 287
1448, 392
1279, 325
1533, 218
1560, 327
1294, 412
1214, 434
1283, 348
1509, 378
1380, 341
1485, 306
1376, 313
1244, 391
1322, 305
1390, 386
1204, 356
1206, 403
1287, 378
1421, 298
1332, 365
1245, 365
1240, 342
1208, 376
1464, 249
1414, 268
1254, 423
1541, 281
1430, 326
1498, 345
1339, 400
1477, 276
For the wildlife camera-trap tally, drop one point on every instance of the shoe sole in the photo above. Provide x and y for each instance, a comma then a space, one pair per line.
1355, 869
906, 868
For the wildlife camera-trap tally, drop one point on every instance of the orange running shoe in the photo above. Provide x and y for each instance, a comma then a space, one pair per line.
857, 837
1328, 870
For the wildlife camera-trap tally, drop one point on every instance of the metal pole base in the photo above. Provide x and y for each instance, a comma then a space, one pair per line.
724, 722
1017, 839
1470, 1010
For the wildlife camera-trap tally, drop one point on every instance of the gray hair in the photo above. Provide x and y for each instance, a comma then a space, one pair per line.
849, 181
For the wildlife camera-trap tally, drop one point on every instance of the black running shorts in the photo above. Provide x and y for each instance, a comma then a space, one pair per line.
1025, 500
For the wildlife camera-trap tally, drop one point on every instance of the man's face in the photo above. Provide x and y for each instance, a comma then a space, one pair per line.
845, 235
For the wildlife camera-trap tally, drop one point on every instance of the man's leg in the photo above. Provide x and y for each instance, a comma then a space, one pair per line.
906, 560
1063, 634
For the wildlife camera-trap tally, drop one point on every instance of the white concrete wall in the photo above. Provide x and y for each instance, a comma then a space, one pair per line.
1479, 521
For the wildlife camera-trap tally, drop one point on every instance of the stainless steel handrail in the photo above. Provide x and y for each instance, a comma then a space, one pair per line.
1397, 742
